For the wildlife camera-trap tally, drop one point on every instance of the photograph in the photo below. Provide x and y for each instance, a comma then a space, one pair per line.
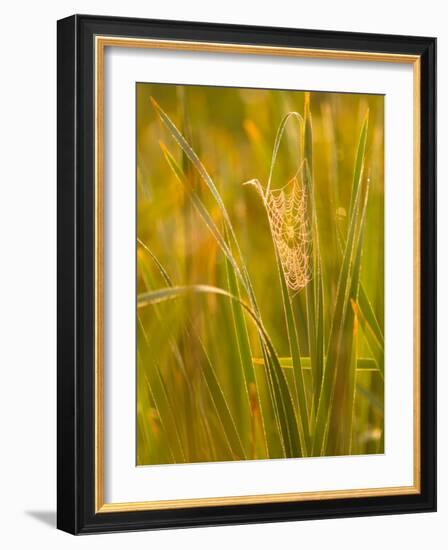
222, 275
246, 274
260, 274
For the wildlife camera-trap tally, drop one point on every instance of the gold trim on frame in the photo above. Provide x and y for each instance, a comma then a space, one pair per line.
101, 42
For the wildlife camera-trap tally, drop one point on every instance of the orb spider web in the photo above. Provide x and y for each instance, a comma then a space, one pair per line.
288, 213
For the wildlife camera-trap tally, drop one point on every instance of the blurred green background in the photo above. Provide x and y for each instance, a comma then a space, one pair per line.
232, 131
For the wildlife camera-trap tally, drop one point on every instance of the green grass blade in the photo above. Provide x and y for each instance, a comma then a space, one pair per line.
194, 159
234, 275
312, 336
285, 407
293, 340
215, 392
251, 384
342, 405
371, 336
160, 267
364, 364
359, 160
367, 311
221, 408
149, 286
278, 140
186, 148
308, 133
366, 308
160, 398
283, 399
202, 211
376, 404
243, 275
340, 333
314, 290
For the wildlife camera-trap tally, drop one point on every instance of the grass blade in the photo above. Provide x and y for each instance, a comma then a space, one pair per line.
278, 140
243, 274
367, 311
303, 420
221, 408
359, 161
314, 290
283, 399
293, 340
234, 274
160, 399
364, 364
202, 211
160, 267
245, 354
342, 326
214, 389
371, 336
194, 159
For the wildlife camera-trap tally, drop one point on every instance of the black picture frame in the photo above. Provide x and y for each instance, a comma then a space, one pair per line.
75, 271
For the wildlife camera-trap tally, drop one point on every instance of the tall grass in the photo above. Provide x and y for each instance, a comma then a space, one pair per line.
230, 395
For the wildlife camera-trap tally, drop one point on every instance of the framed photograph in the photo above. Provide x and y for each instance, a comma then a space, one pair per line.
246, 274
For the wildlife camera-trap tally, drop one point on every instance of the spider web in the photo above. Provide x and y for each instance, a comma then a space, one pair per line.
287, 210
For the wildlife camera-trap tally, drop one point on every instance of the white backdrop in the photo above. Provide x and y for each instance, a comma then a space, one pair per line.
123, 481
28, 274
